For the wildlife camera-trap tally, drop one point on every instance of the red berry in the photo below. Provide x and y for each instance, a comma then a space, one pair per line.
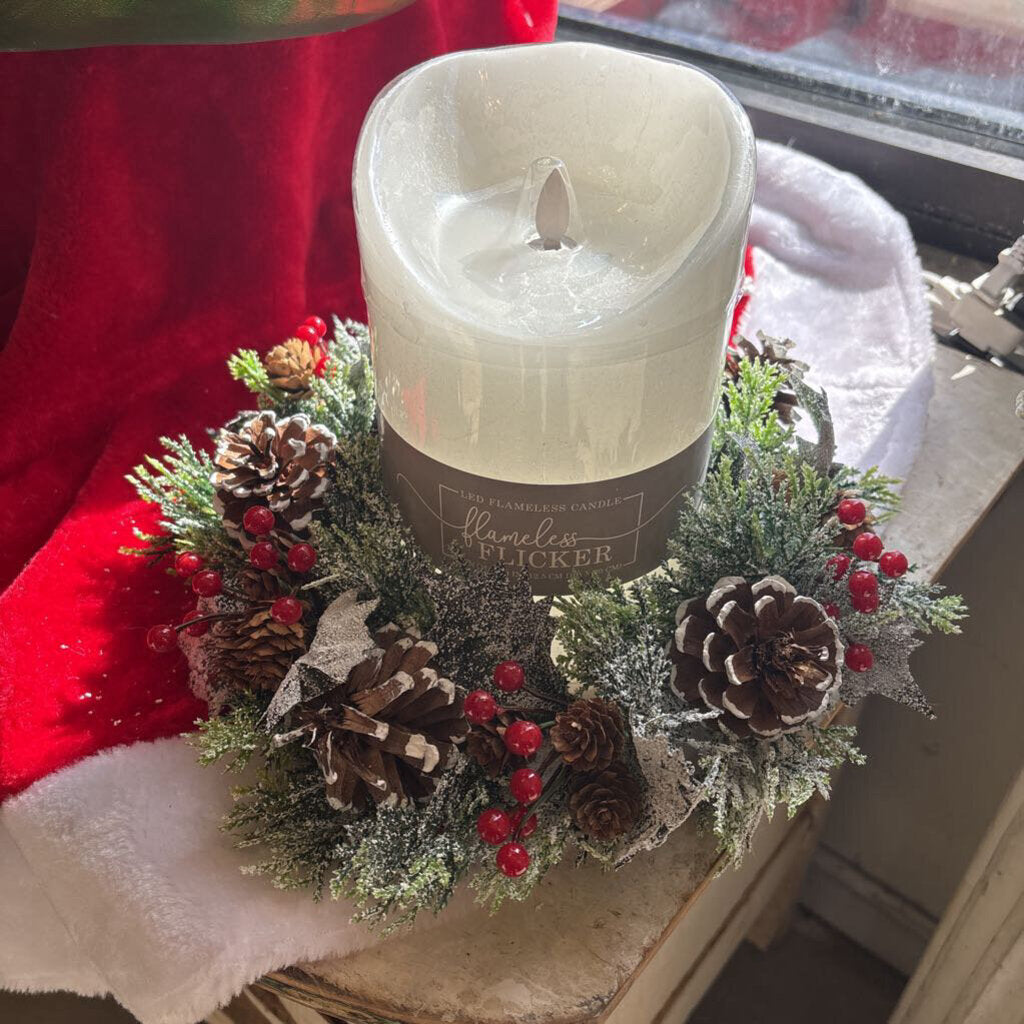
509, 676
286, 610
196, 628
865, 603
859, 658
513, 859
523, 829
317, 324
263, 555
480, 706
893, 563
301, 557
524, 738
308, 333
851, 512
525, 785
838, 564
867, 546
494, 826
862, 582
258, 520
188, 563
207, 583
161, 638
832, 610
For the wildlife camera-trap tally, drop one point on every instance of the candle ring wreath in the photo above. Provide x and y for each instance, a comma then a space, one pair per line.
402, 725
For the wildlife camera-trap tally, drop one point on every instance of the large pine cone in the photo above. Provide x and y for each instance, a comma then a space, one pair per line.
252, 649
605, 804
774, 352
291, 367
486, 745
764, 656
384, 734
589, 734
278, 463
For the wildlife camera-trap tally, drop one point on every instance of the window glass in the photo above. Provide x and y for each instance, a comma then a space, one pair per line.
958, 61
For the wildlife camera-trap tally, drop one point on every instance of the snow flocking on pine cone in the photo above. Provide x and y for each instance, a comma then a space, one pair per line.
280, 463
767, 658
385, 731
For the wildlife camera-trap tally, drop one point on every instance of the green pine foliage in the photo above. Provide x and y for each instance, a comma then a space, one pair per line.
234, 736
753, 517
548, 845
179, 482
403, 860
746, 416
246, 365
743, 781
364, 539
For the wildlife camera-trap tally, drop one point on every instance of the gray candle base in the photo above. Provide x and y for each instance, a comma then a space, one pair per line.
619, 527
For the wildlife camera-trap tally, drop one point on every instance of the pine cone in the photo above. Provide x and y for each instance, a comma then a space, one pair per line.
385, 732
606, 804
291, 367
763, 656
486, 745
774, 352
588, 734
278, 463
253, 649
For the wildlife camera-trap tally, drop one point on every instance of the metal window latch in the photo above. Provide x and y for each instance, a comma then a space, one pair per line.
988, 313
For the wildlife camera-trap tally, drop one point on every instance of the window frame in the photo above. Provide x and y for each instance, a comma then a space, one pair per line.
958, 181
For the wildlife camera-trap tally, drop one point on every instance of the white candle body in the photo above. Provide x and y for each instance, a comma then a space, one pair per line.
587, 363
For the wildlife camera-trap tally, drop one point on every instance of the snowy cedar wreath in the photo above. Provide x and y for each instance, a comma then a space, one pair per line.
407, 725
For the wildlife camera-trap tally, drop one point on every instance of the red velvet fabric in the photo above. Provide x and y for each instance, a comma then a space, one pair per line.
159, 207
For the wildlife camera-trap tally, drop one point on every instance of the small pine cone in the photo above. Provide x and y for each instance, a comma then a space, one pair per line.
486, 745
281, 464
291, 367
606, 804
385, 731
767, 658
255, 651
588, 734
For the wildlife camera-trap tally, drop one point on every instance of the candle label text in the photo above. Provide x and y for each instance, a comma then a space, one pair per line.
618, 526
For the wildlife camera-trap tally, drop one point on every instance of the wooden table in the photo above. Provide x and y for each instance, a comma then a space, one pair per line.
642, 945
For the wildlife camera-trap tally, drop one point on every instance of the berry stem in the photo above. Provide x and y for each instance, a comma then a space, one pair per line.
550, 788
547, 698
512, 709
322, 581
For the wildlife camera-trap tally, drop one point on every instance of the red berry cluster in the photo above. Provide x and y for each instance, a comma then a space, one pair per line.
312, 331
497, 826
259, 522
862, 583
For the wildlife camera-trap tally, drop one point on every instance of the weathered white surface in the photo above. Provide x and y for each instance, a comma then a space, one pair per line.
561, 956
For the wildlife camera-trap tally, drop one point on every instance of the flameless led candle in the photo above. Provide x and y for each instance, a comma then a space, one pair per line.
551, 239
